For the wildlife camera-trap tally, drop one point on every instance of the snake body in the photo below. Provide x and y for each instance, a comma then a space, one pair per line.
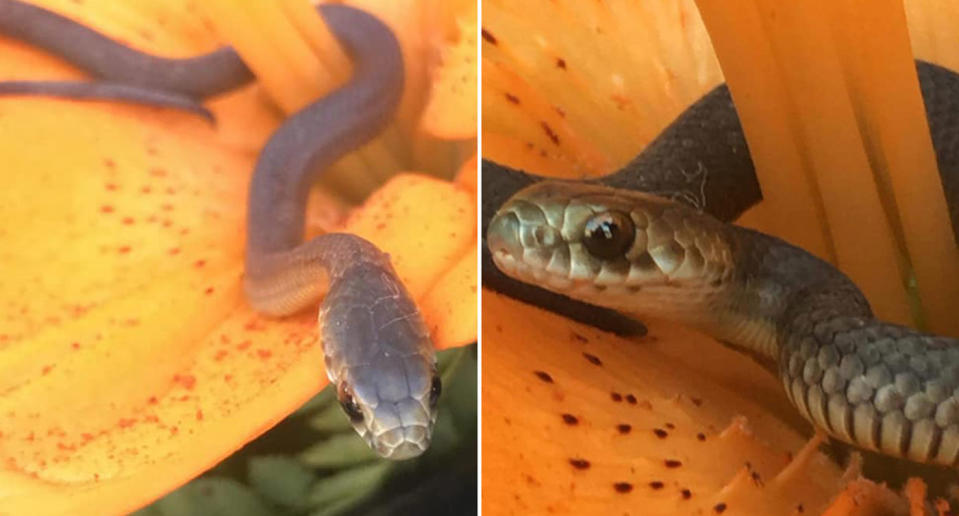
377, 349
654, 240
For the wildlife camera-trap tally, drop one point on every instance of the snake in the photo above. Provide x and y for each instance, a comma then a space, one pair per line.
377, 350
655, 238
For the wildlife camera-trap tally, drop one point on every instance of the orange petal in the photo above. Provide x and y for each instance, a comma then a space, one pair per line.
577, 421
451, 111
131, 361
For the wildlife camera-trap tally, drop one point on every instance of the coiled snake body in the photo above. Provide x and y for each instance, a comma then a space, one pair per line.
613, 243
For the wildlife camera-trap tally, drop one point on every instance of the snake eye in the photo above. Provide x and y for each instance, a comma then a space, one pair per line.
350, 406
609, 234
435, 389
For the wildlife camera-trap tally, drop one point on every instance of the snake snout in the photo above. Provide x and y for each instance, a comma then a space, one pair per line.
403, 443
402, 429
503, 236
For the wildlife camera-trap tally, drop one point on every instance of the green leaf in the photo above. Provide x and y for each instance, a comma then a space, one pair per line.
210, 497
338, 451
319, 403
281, 479
337, 493
331, 419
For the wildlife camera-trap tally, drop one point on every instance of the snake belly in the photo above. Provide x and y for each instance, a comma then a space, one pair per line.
653, 240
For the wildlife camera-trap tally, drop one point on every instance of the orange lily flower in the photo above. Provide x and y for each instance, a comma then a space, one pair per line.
577, 421
130, 360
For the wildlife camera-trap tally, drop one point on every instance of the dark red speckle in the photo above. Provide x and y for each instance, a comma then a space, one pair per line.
623, 428
617, 397
623, 487
662, 434
544, 376
672, 463
656, 484
560, 63
570, 419
592, 359
488, 37
701, 436
686, 494
553, 137
579, 463
631, 399
720, 508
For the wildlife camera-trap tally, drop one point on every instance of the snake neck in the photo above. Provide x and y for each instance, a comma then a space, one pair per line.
773, 284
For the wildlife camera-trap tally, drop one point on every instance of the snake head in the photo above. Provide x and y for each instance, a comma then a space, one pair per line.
605, 246
380, 357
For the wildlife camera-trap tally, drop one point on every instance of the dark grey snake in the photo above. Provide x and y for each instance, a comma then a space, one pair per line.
611, 242
377, 349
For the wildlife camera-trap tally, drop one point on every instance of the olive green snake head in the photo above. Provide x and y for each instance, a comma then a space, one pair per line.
877, 385
603, 245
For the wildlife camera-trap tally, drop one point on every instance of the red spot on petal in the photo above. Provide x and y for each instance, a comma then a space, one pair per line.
187, 381
126, 422
106, 208
264, 353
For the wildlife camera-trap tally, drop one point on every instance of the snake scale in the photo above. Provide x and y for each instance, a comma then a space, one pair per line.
654, 239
